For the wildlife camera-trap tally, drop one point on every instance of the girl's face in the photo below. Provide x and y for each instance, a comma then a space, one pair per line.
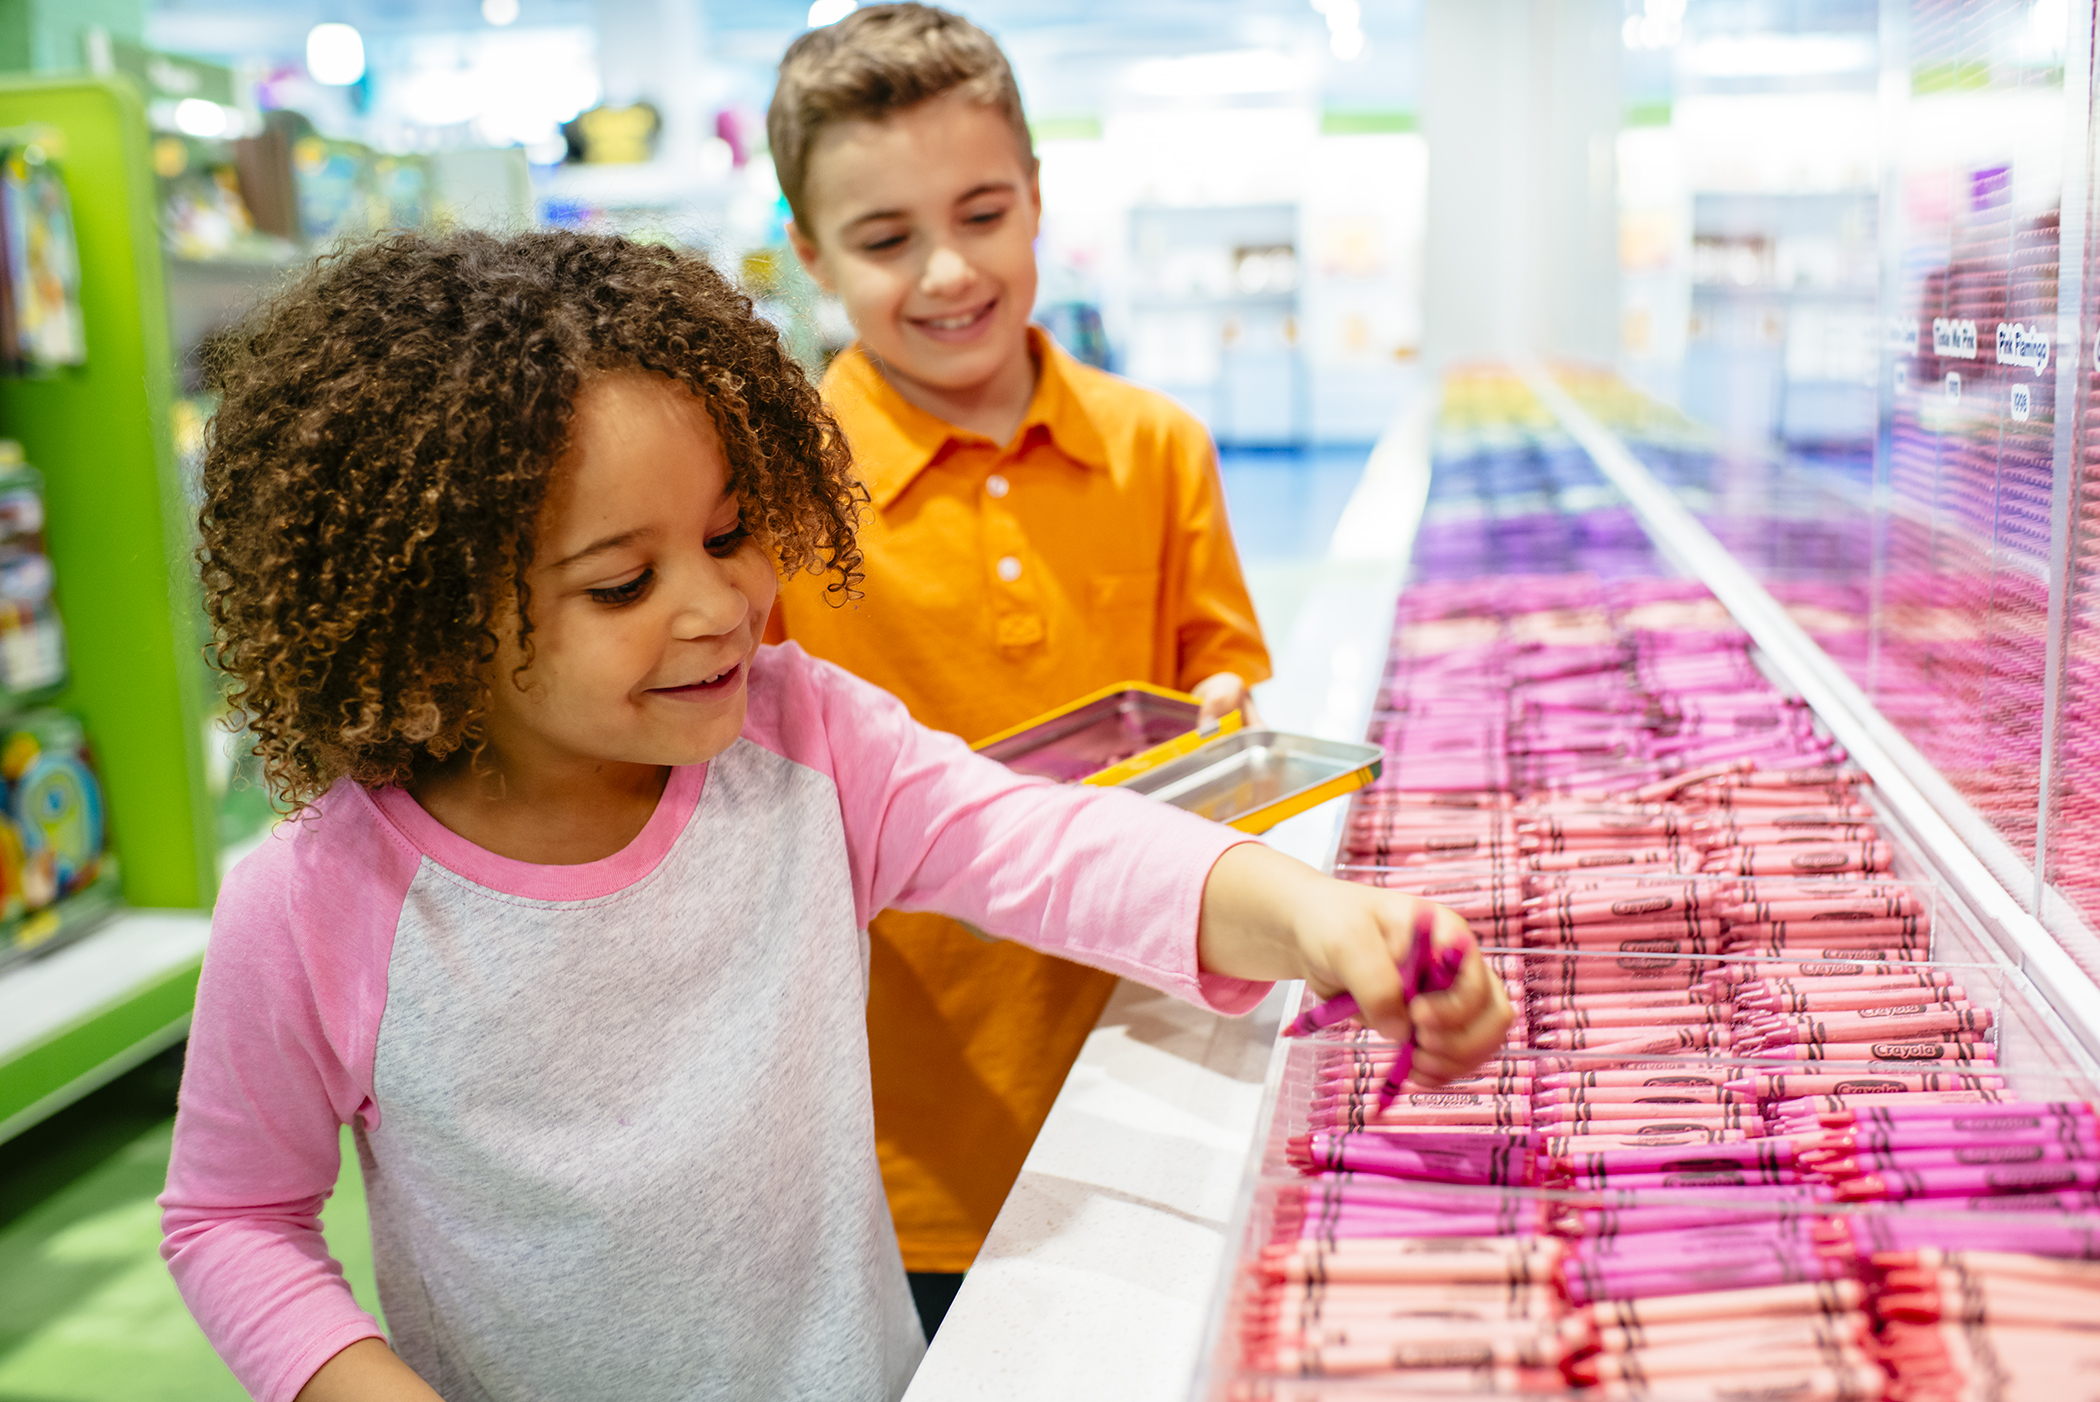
648, 597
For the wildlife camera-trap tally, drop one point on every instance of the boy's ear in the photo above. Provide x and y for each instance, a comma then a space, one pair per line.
806, 251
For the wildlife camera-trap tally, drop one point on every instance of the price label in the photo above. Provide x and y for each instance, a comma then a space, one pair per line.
2026, 347
1902, 378
2022, 402
1953, 386
1954, 337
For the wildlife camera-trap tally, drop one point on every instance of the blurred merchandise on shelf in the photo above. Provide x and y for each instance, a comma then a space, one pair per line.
32, 641
203, 213
57, 877
614, 136
41, 328
1077, 327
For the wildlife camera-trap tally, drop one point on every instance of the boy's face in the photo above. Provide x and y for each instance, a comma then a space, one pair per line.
648, 598
924, 225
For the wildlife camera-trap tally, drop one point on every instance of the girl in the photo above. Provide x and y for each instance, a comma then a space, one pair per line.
571, 927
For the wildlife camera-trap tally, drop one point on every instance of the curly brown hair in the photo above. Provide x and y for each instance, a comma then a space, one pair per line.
386, 431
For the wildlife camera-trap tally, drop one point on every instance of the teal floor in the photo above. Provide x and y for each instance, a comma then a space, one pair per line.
88, 1312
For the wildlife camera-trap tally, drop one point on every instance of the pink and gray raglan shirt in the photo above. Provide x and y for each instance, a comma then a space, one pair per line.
614, 1118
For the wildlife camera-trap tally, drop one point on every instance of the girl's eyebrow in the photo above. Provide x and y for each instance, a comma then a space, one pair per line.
598, 547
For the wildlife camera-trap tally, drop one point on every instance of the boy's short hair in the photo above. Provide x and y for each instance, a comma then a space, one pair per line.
387, 429
877, 61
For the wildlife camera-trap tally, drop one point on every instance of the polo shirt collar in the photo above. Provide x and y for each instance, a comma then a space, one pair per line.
893, 440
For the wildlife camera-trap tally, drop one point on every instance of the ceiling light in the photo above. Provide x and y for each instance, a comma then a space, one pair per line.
335, 54
500, 12
196, 116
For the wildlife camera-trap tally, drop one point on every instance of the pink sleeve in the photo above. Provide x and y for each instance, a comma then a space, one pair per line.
1096, 875
280, 1058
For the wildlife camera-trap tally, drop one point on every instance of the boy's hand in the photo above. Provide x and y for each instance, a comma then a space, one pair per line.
1267, 916
1222, 693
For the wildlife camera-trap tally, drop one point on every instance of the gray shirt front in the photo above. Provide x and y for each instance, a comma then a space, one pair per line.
583, 1185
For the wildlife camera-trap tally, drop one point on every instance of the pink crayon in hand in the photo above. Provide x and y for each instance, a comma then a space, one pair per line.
1427, 970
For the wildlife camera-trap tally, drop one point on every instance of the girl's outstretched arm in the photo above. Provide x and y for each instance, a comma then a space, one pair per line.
367, 1371
1268, 916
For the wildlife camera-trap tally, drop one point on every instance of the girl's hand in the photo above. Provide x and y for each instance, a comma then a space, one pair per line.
1222, 692
1267, 916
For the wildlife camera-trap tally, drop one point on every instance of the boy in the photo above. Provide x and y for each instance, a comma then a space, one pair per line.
1037, 529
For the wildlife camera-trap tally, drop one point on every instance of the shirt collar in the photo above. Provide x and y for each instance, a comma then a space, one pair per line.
893, 441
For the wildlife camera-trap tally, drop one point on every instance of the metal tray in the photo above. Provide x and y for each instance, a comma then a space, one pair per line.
1099, 731
1254, 779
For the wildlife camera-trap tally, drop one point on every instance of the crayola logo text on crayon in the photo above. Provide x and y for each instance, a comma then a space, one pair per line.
1450, 844
1998, 1153
1665, 1100
1460, 1099
1908, 1051
1832, 970
1646, 905
1907, 1010
2025, 1176
1644, 965
1648, 946
1605, 859
2021, 1202
1818, 861
1869, 1087
1995, 1124
1718, 1178
1827, 953
1696, 1165
1678, 1081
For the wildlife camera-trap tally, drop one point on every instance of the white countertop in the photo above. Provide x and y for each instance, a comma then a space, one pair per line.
1098, 1278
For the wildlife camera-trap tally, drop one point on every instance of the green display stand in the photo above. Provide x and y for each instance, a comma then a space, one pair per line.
118, 532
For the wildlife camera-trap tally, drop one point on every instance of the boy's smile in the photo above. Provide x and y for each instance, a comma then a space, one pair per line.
924, 225
648, 598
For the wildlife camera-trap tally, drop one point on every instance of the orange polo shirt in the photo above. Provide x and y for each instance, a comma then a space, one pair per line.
1003, 581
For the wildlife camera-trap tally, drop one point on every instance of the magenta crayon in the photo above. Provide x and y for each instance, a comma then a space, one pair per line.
1426, 970
1601, 1166
1867, 1162
1429, 1158
1971, 1180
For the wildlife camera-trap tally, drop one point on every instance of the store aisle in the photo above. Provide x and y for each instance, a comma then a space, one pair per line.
1284, 505
87, 1311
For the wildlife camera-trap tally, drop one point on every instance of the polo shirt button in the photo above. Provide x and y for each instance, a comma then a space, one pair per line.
1009, 568
996, 486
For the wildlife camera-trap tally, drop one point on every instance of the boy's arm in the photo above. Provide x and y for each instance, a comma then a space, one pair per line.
1217, 638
